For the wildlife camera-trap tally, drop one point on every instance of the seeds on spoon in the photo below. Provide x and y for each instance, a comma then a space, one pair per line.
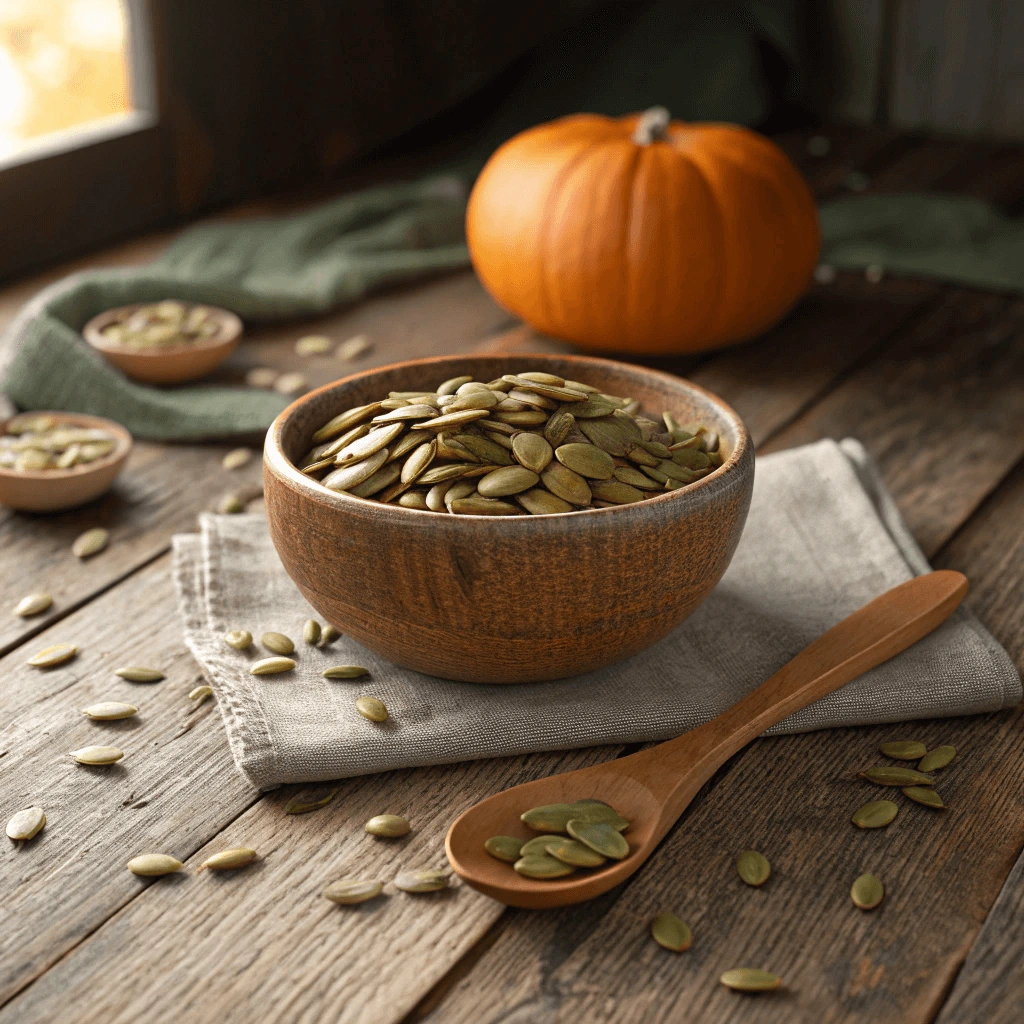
350, 891
97, 755
542, 865
271, 666
876, 814
26, 824
139, 674
90, 543
669, 931
34, 604
152, 865
886, 776
506, 848
372, 708
387, 826
229, 860
240, 639
904, 750
428, 880
572, 851
278, 643
867, 892
549, 817
924, 795
753, 867
937, 758
110, 711
749, 979
48, 657
600, 837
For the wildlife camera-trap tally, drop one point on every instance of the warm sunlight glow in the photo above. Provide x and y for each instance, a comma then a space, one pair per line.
63, 63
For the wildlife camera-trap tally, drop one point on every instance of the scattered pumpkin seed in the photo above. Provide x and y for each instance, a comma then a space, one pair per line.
876, 814
261, 377
427, 880
345, 672
937, 758
355, 347
110, 711
290, 384
350, 891
328, 635
200, 694
904, 750
271, 666
229, 860
749, 979
388, 826
542, 865
313, 345
152, 865
506, 848
90, 543
572, 851
26, 824
600, 837
924, 795
669, 931
303, 804
34, 604
97, 755
56, 654
230, 505
867, 892
883, 775
753, 867
236, 458
311, 632
278, 643
372, 708
240, 639
138, 674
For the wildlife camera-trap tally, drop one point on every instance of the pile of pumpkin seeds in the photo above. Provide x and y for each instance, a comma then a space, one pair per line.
166, 324
583, 834
524, 443
34, 441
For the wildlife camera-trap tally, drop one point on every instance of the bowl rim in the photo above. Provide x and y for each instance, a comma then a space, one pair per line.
122, 446
277, 462
228, 332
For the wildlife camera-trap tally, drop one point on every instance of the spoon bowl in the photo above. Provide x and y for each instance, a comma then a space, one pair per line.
652, 788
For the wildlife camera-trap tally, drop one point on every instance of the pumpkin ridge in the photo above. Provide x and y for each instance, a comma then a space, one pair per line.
631, 178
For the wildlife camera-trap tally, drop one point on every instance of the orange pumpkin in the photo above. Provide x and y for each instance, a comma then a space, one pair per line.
643, 234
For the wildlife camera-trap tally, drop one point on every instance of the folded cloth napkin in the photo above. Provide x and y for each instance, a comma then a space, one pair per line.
823, 538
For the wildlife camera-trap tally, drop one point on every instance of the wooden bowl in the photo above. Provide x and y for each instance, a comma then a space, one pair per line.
172, 365
516, 599
53, 490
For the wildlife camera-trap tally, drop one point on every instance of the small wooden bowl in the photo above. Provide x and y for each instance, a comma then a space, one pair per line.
53, 490
506, 600
171, 365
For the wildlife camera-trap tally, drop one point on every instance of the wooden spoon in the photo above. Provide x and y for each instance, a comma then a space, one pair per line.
653, 787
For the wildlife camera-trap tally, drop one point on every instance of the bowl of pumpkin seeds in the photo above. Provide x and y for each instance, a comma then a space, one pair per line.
56, 460
165, 342
506, 519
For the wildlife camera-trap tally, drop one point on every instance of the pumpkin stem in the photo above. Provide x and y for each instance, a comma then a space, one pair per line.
651, 126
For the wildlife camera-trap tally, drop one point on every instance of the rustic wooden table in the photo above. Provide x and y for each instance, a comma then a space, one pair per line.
927, 375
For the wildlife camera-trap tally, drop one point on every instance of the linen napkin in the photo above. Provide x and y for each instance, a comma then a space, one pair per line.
823, 538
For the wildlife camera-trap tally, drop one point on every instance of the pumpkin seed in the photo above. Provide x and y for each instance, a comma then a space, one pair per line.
372, 708
753, 867
384, 477
924, 795
406, 412
506, 848
531, 451
34, 604
345, 672
388, 826
271, 666
57, 654
345, 421
610, 435
369, 444
90, 543
542, 865
290, 384
229, 860
449, 387
304, 804
539, 844
417, 463
414, 499
867, 892
904, 750
230, 505
883, 775
566, 484
539, 502
428, 880
97, 755
261, 377
505, 481
527, 418
110, 711
240, 639
937, 758
200, 694
669, 931
616, 492
452, 419
152, 865
572, 851
559, 394
549, 817
633, 477
478, 506
482, 399
483, 448
313, 345
557, 428
347, 477
539, 377
137, 674
236, 458
598, 811
527, 400
586, 459
349, 351
349, 891
876, 814
749, 979
278, 643
600, 837
26, 824
328, 635
311, 632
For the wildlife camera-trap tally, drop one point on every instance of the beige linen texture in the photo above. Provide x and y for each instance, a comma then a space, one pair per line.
822, 539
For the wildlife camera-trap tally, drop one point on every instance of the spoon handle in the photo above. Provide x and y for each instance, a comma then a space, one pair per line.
881, 629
